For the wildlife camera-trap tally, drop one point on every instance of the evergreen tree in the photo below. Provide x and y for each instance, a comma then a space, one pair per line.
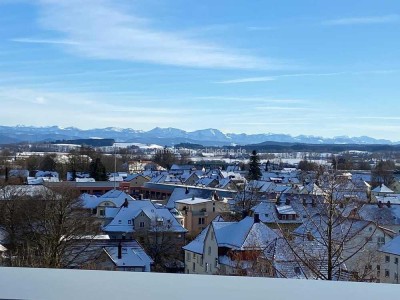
97, 170
254, 167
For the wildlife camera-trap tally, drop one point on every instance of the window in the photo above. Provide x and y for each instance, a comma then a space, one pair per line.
194, 256
396, 276
129, 222
201, 261
387, 258
201, 221
368, 268
206, 268
381, 240
387, 273
194, 267
378, 270
297, 270
212, 236
216, 263
396, 260
188, 256
209, 250
213, 209
141, 224
102, 212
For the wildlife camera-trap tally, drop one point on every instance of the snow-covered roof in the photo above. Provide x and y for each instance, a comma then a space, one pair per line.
245, 234
312, 189
116, 196
197, 245
343, 229
180, 193
382, 215
391, 198
285, 210
392, 247
382, 189
205, 181
122, 221
132, 255
193, 200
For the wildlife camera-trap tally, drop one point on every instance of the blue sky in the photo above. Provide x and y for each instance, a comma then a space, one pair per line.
323, 68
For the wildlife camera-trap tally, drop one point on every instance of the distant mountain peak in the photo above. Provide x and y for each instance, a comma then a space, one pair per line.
170, 136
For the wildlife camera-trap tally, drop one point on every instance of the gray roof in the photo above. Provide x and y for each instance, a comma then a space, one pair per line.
382, 215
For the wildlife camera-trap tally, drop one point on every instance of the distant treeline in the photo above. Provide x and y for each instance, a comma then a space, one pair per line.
297, 147
88, 142
292, 147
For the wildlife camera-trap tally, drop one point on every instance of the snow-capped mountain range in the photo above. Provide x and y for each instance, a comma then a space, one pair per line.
168, 136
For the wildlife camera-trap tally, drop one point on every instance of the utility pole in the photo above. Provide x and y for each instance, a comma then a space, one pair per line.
115, 166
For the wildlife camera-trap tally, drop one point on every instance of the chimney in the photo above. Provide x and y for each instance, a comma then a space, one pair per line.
192, 197
187, 190
380, 204
256, 218
125, 204
119, 250
388, 204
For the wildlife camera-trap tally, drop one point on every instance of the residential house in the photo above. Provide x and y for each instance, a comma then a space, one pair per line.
199, 212
388, 271
386, 213
381, 190
112, 255
357, 241
142, 217
133, 183
228, 247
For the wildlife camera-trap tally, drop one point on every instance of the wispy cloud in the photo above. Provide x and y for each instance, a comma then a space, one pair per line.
247, 80
386, 118
288, 108
364, 20
105, 30
43, 41
248, 99
275, 77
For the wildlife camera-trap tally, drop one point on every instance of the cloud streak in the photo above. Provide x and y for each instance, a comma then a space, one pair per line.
247, 80
104, 30
43, 41
275, 77
364, 20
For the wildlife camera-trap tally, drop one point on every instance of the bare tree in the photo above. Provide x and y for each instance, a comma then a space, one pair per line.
46, 228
